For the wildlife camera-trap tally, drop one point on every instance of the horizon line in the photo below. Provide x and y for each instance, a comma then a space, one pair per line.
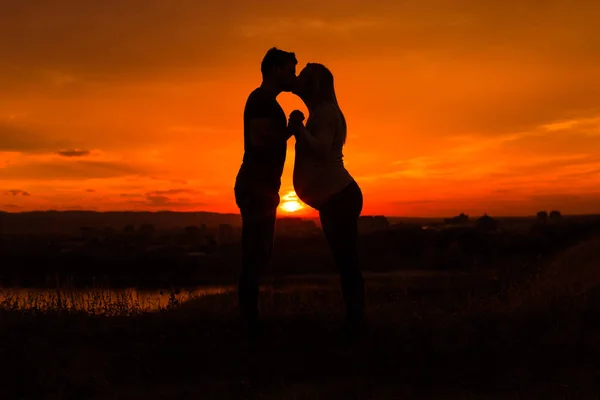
284, 216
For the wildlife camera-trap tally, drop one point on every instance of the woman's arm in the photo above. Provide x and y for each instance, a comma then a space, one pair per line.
320, 139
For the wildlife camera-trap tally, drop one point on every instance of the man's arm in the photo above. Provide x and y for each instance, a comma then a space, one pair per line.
262, 132
262, 129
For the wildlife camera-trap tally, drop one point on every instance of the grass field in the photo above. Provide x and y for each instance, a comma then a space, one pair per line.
541, 341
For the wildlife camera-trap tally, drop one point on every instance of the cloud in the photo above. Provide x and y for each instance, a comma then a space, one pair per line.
15, 138
16, 192
546, 164
179, 181
110, 39
559, 148
154, 200
73, 153
63, 169
579, 135
11, 206
267, 27
595, 172
90, 190
414, 202
446, 165
177, 198
490, 72
171, 191
129, 39
587, 126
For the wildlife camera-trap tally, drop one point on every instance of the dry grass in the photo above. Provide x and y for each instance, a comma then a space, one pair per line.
543, 341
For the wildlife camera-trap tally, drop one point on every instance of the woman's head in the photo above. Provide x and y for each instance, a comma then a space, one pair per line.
315, 84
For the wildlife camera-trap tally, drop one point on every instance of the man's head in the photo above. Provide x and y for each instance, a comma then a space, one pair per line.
279, 67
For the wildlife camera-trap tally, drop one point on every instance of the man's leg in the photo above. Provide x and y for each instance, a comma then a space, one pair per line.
257, 247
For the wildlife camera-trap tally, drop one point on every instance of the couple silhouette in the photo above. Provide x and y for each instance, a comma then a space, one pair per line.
320, 179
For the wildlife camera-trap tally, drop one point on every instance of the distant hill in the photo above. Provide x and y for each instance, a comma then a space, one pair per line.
570, 272
414, 220
71, 221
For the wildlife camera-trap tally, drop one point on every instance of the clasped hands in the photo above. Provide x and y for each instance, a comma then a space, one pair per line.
295, 122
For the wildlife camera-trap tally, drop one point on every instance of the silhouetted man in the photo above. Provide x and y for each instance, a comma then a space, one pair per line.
259, 178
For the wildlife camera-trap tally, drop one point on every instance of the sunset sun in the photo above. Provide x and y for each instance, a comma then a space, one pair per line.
291, 206
290, 203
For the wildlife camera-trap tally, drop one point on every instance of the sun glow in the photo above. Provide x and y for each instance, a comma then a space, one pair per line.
290, 203
291, 206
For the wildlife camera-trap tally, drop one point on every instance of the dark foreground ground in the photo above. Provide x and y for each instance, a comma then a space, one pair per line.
541, 340
418, 347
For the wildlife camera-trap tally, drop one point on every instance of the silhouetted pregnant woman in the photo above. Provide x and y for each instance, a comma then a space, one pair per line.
322, 181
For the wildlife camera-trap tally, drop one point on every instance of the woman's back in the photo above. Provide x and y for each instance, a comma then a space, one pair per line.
319, 172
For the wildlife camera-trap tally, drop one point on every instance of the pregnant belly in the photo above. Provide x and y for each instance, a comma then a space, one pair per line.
306, 183
314, 186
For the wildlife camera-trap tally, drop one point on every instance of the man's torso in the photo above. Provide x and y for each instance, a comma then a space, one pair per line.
262, 167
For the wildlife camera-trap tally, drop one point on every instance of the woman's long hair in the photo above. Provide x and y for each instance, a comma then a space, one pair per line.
320, 87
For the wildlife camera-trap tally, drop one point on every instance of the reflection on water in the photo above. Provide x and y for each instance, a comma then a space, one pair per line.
118, 301
102, 301
130, 301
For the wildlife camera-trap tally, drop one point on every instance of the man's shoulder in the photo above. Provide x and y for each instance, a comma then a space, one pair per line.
258, 95
255, 99
260, 104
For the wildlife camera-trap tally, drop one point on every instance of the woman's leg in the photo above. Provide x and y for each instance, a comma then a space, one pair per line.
339, 219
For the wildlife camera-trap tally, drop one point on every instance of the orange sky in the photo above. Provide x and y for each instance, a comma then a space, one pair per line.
453, 106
